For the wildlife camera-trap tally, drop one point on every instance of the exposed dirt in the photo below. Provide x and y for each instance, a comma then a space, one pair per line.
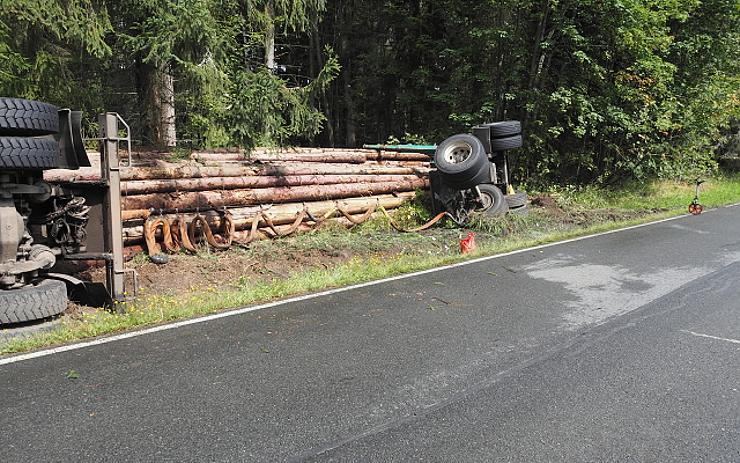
225, 270
546, 202
228, 269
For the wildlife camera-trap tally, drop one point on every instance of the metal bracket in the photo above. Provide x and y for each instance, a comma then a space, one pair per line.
127, 139
110, 165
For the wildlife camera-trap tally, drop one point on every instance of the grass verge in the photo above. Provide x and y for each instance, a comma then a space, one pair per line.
373, 251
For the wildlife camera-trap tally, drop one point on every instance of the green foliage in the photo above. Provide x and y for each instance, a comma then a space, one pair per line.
40, 43
265, 111
292, 15
606, 89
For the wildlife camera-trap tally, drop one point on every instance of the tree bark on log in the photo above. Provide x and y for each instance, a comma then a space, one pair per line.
82, 175
135, 187
326, 157
173, 171
267, 233
314, 207
219, 199
396, 156
164, 171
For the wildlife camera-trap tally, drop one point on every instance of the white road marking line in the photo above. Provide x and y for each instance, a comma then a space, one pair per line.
702, 335
306, 297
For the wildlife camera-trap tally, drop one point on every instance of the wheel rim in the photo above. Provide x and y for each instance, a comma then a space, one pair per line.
458, 152
486, 201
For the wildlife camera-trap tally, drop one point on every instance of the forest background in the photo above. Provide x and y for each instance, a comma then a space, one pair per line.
606, 89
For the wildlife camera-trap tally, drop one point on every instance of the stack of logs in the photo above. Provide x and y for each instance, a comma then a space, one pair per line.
277, 185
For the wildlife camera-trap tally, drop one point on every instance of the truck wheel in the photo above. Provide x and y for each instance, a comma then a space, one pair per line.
33, 302
28, 153
461, 157
508, 143
493, 202
505, 128
518, 199
27, 117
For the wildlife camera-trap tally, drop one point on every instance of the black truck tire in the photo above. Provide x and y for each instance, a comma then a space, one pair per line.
461, 158
508, 143
518, 199
494, 203
27, 117
28, 153
29, 303
505, 128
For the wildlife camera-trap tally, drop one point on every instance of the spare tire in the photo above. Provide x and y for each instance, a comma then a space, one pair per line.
493, 202
30, 302
505, 128
28, 153
27, 117
508, 143
461, 157
518, 199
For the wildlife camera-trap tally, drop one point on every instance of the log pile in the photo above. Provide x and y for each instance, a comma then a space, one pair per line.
265, 185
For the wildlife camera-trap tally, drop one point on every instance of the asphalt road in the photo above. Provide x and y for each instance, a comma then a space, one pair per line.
621, 347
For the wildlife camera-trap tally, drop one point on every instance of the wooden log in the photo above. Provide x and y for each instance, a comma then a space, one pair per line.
174, 171
280, 214
396, 156
219, 199
333, 157
230, 183
82, 175
399, 163
267, 233
289, 209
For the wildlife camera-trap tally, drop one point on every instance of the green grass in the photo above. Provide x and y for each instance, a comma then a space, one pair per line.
655, 195
409, 253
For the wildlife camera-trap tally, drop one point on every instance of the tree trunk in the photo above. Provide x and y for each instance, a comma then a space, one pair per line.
317, 63
349, 108
536, 62
219, 199
161, 96
270, 37
279, 213
135, 187
177, 171
324, 158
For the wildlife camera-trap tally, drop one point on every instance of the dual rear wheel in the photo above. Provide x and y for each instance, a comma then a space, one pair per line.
20, 121
464, 161
27, 143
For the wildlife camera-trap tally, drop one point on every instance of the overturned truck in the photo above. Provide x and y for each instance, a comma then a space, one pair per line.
43, 224
472, 173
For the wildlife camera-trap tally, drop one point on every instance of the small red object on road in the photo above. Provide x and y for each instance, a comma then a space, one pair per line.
468, 244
